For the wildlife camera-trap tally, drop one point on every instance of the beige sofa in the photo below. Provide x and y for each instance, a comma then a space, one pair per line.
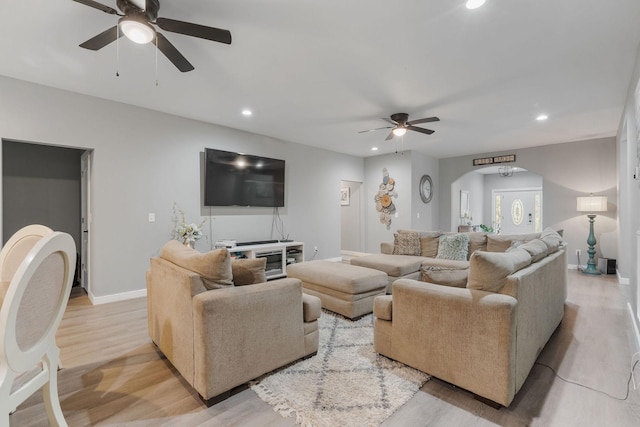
403, 260
218, 334
485, 337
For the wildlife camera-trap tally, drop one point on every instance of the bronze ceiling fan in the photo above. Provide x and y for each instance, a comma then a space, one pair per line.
137, 25
401, 124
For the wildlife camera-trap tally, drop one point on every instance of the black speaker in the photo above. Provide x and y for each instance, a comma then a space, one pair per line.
607, 265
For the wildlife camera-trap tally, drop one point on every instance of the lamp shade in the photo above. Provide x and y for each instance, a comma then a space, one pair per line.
592, 204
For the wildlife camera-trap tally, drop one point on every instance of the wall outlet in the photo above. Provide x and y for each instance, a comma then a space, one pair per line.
578, 253
315, 249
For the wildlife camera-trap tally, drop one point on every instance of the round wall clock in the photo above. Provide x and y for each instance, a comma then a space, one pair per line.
426, 188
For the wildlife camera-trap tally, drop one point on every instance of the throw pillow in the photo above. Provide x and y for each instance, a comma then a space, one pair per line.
454, 277
249, 271
214, 267
453, 246
488, 271
536, 248
429, 243
551, 238
502, 242
406, 243
477, 241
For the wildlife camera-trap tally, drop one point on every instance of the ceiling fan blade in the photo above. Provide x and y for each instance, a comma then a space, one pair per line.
390, 136
372, 130
102, 39
173, 54
421, 130
194, 30
427, 120
389, 120
99, 6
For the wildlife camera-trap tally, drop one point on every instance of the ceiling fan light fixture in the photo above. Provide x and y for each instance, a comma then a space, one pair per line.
474, 4
137, 30
399, 131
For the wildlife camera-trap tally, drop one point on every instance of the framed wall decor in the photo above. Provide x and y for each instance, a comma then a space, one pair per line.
345, 196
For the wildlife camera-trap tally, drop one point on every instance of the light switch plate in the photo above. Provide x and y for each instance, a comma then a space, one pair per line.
152, 217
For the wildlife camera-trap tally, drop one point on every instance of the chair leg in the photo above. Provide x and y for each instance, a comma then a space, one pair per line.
50, 390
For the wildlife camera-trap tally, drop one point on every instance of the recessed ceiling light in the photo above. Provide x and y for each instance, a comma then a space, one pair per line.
374, 148
542, 117
246, 112
474, 4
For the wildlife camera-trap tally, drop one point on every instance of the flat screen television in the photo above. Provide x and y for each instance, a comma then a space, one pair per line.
235, 179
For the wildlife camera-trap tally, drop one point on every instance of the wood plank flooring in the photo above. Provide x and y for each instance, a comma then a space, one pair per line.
113, 375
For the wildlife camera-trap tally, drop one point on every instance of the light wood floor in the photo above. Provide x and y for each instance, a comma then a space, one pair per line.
113, 375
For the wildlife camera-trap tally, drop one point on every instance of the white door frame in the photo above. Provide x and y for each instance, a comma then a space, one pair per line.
85, 219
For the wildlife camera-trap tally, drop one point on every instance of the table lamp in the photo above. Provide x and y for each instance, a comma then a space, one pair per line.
592, 204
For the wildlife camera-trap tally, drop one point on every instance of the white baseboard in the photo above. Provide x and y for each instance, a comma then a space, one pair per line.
636, 329
116, 297
336, 259
576, 267
622, 280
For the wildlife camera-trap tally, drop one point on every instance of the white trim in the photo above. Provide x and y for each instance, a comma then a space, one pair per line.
622, 280
636, 330
336, 259
116, 297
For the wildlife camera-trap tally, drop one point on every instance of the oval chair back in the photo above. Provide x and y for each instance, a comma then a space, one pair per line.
17, 247
29, 318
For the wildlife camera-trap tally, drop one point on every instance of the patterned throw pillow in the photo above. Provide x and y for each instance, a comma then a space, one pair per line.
406, 244
453, 246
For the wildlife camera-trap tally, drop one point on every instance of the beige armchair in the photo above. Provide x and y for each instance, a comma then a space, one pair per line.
217, 334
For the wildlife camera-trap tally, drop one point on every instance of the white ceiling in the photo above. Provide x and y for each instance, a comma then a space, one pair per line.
317, 72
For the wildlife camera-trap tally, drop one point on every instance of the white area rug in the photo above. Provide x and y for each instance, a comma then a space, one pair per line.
345, 384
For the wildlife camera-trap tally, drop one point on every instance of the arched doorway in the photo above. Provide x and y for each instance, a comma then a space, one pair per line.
506, 200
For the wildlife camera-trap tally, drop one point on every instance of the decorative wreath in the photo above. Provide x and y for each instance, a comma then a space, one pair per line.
383, 198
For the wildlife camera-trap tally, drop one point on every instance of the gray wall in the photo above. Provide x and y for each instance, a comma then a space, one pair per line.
406, 168
628, 157
568, 170
40, 185
473, 183
144, 161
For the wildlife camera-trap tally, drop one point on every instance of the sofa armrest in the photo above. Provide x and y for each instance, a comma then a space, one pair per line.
382, 307
311, 307
243, 332
451, 332
386, 248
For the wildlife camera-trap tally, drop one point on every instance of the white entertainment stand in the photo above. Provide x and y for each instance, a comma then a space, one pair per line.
278, 255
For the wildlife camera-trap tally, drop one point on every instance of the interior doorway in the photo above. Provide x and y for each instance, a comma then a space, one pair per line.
351, 230
48, 185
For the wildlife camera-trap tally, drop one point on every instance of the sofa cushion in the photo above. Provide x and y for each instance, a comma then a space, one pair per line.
536, 248
456, 277
406, 243
502, 242
551, 238
453, 246
248, 271
488, 271
429, 243
477, 241
393, 265
214, 267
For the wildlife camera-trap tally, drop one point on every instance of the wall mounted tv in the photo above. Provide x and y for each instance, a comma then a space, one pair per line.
234, 179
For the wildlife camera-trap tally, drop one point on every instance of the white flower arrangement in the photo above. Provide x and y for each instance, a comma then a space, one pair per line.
188, 233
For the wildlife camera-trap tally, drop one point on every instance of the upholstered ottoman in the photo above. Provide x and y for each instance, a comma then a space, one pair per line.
342, 288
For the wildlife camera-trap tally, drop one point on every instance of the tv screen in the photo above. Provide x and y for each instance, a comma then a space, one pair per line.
234, 179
